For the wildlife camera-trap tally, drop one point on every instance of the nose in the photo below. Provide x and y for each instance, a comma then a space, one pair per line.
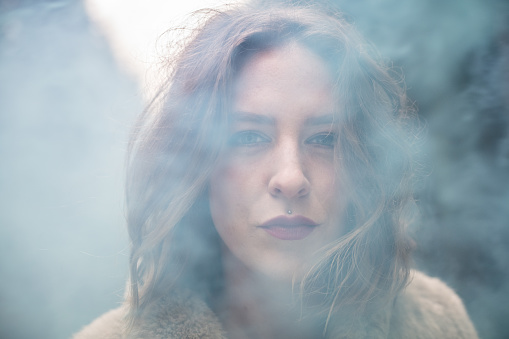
288, 179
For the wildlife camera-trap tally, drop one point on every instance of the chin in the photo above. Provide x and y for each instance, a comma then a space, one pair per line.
284, 272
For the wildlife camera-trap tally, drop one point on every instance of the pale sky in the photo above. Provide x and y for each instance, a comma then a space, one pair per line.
134, 27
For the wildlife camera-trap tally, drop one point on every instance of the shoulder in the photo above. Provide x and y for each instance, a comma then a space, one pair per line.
174, 315
108, 326
178, 314
428, 308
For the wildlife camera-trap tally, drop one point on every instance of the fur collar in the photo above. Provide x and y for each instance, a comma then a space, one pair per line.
426, 309
183, 315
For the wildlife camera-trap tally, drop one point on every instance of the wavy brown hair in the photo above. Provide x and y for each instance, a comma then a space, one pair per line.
179, 137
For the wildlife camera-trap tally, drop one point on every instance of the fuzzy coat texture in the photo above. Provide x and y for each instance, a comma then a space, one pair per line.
426, 309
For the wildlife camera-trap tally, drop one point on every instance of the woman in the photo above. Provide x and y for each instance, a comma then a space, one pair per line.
268, 192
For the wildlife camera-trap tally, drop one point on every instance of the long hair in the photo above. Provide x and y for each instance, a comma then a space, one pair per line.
179, 137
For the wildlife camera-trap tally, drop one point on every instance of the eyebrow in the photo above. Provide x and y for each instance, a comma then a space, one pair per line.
326, 119
241, 116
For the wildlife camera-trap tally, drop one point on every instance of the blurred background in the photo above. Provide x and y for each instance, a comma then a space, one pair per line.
75, 73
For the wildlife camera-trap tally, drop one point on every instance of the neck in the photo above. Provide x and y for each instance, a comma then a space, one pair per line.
255, 306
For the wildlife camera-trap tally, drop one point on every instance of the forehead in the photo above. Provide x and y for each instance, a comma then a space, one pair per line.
288, 78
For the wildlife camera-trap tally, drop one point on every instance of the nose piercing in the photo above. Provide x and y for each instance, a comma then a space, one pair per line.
289, 212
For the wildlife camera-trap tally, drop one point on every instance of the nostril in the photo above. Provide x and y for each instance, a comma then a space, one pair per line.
275, 191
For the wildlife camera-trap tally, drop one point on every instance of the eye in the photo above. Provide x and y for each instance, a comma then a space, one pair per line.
248, 138
327, 139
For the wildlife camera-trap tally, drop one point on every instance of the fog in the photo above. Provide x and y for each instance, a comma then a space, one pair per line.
67, 101
455, 57
65, 109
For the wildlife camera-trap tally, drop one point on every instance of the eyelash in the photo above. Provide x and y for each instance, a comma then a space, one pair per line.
239, 139
245, 138
323, 139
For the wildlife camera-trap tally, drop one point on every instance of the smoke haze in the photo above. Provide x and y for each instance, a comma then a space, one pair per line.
66, 107
65, 112
455, 58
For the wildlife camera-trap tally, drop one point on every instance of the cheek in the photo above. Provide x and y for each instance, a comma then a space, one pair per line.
220, 198
331, 197
227, 197
324, 178
328, 191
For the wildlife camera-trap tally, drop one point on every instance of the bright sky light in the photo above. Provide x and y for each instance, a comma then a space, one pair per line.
133, 27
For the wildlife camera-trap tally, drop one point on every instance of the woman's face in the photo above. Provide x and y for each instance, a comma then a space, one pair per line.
279, 158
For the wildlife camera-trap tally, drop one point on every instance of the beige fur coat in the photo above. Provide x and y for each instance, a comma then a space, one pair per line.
426, 309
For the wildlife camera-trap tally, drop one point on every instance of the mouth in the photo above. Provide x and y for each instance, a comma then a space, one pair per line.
289, 228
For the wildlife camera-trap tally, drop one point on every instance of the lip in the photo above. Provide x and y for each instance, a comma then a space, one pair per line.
289, 228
